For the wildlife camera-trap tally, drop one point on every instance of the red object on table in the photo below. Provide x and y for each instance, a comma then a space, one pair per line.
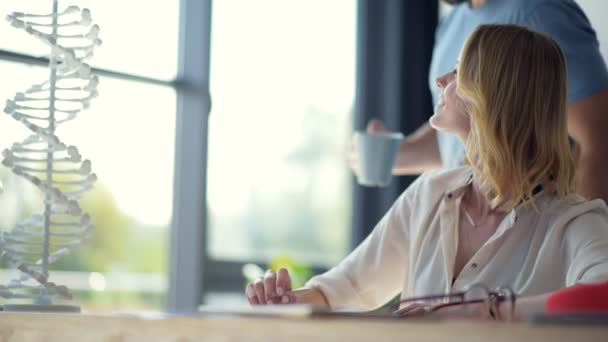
579, 299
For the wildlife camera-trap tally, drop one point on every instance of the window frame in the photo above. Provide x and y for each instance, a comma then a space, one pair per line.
191, 270
189, 219
216, 275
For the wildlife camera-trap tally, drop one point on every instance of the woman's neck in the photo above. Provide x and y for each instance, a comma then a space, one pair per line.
478, 200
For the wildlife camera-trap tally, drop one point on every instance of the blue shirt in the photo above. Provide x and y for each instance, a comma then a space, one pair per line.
563, 20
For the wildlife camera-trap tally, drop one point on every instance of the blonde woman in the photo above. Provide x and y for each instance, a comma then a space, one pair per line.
510, 217
564, 21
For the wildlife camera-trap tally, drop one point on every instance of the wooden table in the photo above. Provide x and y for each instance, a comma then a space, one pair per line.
16, 327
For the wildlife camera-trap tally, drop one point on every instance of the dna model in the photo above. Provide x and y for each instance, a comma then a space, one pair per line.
44, 160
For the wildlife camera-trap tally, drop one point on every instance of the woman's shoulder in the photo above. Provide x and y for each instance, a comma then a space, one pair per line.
573, 206
446, 176
441, 181
578, 228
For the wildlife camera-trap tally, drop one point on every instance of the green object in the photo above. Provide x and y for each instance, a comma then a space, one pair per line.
299, 272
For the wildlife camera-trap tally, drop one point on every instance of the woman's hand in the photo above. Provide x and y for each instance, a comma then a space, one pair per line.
272, 288
275, 288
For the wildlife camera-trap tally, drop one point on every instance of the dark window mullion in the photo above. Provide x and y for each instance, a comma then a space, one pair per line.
43, 61
188, 229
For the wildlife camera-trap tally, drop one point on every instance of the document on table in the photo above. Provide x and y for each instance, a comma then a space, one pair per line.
294, 311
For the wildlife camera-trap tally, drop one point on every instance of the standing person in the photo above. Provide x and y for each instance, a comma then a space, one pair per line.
564, 21
509, 217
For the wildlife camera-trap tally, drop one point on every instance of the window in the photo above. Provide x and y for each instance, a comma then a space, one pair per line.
282, 84
152, 28
278, 183
128, 134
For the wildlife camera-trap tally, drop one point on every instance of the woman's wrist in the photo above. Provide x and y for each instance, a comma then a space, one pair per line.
311, 295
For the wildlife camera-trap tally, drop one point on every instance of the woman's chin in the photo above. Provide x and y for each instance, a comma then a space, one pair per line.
437, 122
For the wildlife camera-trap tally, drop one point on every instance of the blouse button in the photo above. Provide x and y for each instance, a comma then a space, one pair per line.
474, 265
449, 195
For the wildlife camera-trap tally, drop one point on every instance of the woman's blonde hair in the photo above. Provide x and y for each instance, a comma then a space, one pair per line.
513, 81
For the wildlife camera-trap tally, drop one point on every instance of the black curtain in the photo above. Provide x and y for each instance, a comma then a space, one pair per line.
394, 48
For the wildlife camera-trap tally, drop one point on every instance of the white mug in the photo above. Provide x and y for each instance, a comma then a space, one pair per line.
376, 154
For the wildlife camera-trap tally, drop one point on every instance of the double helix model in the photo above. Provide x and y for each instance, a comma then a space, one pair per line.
55, 168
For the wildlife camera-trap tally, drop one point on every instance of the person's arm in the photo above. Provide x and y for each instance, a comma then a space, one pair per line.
418, 152
367, 278
275, 288
311, 296
524, 307
588, 126
374, 272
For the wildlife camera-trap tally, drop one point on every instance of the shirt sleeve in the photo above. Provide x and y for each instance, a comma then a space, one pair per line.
375, 271
585, 247
566, 22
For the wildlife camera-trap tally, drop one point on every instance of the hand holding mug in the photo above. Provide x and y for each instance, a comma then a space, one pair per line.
373, 154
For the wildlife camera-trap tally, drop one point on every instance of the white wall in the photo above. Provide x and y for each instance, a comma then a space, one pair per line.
596, 11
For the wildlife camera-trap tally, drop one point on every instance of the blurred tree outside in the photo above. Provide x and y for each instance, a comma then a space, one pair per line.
117, 243
307, 218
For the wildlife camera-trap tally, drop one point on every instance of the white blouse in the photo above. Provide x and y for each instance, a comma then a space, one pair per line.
412, 250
